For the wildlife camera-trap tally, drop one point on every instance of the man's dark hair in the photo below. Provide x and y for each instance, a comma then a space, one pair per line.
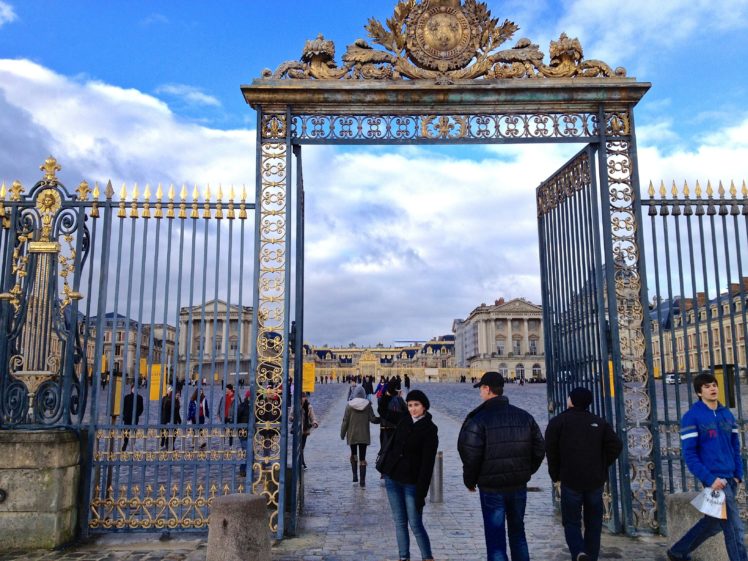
703, 379
496, 390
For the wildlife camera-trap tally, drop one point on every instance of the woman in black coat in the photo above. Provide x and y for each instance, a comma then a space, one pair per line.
407, 467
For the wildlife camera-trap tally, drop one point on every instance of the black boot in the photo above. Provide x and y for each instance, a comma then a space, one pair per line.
354, 466
362, 468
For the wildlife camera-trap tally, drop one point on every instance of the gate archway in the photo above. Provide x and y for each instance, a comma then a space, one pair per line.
441, 76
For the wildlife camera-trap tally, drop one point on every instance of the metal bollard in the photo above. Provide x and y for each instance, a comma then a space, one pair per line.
436, 493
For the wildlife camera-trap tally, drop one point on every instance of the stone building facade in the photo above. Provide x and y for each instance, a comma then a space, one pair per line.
506, 337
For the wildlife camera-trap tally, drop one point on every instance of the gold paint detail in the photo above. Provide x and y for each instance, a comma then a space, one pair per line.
50, 167
271, 317
44, 247
442, 40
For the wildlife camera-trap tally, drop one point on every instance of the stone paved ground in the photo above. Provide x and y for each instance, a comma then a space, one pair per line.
343, 522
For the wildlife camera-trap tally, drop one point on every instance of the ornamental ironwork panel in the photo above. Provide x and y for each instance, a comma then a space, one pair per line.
129, 316
574, 303
45, 242
483, 128
698, 294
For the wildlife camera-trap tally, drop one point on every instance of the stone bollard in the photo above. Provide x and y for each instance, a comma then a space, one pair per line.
681, 515
39, 477
238, 529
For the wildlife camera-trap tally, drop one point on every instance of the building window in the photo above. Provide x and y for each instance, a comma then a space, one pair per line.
503, 370
500, 348
516, 347
520, 370
537, 371
533, 347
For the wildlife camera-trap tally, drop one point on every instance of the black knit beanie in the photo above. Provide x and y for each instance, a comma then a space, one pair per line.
418, 395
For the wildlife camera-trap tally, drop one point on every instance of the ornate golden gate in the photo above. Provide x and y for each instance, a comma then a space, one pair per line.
444, 75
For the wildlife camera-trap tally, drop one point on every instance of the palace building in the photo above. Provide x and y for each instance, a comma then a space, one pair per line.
506, 337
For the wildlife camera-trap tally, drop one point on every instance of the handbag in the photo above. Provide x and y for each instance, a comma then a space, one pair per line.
379, 464
711, 502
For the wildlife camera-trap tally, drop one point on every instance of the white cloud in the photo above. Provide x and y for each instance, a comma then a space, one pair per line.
400, 241
7, 14
614, 31
189, 94
154, 19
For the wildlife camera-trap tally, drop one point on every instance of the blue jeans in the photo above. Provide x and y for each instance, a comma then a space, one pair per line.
405, 510
573, 504
498, 508
709, 526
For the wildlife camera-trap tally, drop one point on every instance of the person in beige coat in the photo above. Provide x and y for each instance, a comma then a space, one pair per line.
358, 414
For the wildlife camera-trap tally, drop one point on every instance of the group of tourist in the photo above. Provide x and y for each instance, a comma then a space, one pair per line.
501, 446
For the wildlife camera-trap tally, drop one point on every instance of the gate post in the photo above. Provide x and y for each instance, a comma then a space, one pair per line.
271, 312
641, 490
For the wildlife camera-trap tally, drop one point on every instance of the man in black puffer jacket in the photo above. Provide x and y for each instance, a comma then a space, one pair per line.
501, 446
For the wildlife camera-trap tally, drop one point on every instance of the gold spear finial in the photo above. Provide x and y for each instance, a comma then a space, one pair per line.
686, 191
663, 192
3, 192
709, 190
721, 191
745, 189
698, 189
651, 189
195, 195
733, 189
674, 190
95, 206
134, 203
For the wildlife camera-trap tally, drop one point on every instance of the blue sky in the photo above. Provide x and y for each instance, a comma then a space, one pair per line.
90, 80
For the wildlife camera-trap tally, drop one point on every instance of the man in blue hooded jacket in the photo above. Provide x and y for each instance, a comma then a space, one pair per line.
711, 448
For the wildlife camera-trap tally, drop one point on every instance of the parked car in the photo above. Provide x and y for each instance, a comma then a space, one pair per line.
673, 378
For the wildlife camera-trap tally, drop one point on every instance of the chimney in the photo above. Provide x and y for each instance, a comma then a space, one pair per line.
701, 299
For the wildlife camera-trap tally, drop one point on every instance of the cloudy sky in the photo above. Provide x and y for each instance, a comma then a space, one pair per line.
400, 241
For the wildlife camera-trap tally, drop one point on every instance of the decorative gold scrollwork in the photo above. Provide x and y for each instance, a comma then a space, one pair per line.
442, 40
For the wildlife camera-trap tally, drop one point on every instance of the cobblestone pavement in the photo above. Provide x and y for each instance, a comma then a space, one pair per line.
343, 522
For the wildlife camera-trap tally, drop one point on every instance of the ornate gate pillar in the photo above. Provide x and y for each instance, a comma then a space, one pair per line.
271, 320
642, 500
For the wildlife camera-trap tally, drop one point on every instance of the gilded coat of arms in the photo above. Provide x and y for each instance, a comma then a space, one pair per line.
441, 36
445, 41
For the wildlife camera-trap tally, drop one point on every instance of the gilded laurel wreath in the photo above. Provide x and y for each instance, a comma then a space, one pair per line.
442, 40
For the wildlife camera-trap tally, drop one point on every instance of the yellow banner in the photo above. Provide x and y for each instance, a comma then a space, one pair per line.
157, 383
117, 395
611, 374
307, 378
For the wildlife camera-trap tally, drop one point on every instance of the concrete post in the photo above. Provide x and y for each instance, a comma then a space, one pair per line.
436, 493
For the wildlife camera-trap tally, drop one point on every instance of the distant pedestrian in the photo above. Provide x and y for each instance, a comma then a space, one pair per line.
226, 411
710, 443
166, 417
501, 446
580, 447
407, 468
308, 423
355, 428
132, 409
406, 383
242, 419
392, 409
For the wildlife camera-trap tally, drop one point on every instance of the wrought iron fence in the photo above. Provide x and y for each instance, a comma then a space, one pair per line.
698, 287
128, 317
